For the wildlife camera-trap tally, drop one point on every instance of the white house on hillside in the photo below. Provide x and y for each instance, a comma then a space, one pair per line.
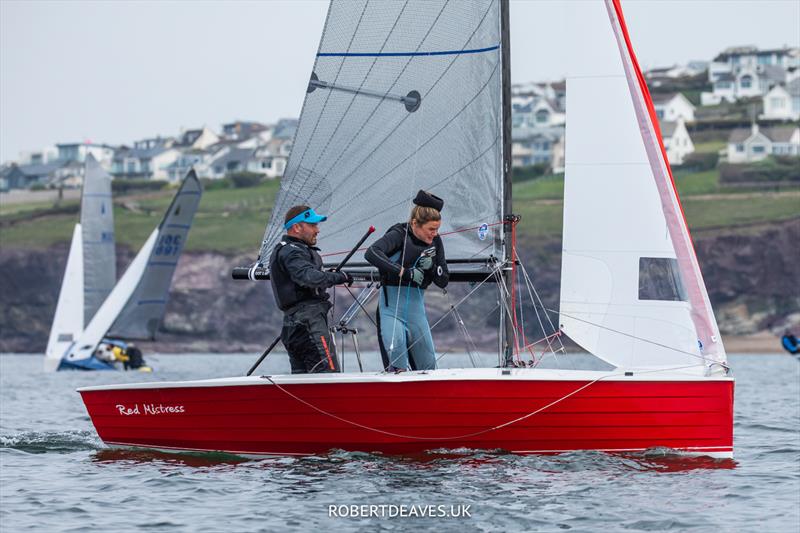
677, 141
746, 71
733, 59
532, 112
755, 144
148, 159
200, 138
78, 152
536, 147
783, 102
743, 82
673, 107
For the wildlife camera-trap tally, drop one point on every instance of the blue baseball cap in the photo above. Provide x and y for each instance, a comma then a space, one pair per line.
309, 216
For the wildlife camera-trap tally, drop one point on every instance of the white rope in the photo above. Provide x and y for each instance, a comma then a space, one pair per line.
466, 435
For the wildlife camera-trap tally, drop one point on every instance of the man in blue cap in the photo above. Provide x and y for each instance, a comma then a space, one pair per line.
300, 288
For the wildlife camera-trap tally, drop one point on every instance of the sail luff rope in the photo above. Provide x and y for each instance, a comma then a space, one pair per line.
466, 435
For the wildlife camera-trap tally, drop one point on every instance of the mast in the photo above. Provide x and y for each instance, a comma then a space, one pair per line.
506, 324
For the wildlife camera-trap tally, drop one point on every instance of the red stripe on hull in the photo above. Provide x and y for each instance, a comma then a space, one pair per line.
412, 417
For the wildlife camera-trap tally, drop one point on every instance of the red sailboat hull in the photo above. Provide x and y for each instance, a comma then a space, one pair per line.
414, 413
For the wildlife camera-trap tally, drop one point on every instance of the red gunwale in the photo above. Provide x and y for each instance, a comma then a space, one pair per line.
419, 411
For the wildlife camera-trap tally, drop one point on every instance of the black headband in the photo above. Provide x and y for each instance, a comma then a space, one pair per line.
426, 199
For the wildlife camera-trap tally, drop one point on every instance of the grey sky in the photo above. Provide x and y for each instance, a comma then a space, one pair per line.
118, 71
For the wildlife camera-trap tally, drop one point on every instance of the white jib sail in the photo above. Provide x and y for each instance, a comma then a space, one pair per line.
68, 320
113, 305
624, 294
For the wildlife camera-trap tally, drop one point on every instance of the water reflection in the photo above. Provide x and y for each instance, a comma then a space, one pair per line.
660, 460
192, 460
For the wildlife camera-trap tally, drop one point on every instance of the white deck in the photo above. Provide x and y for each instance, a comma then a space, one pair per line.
449, 374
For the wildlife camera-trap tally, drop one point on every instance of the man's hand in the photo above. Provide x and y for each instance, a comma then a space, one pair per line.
425, 262
347, 278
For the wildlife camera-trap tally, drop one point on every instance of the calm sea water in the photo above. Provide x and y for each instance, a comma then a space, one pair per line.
56, 475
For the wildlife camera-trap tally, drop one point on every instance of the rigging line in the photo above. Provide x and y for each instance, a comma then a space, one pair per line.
460, 323
441, 235
313, 167
404, 200
362, 306
467, 435
703, 358
505, 297
344, 150
531, 286
374, 150
430, 139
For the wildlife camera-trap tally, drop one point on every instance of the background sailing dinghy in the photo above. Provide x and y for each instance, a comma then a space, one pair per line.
411, 95
92, 306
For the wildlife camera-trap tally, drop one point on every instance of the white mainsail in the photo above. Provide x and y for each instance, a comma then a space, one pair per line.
97, 221
631, 290
403, 96
68, 319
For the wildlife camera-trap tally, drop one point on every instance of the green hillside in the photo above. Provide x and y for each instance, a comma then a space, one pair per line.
233, 219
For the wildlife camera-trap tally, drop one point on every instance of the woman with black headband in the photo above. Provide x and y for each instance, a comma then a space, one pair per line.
410, 256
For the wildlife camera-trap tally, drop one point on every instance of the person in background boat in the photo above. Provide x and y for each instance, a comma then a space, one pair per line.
410, 256
114, 351
300, 288
790, 343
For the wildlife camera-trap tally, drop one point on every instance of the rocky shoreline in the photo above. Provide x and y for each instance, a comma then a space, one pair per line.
752, 274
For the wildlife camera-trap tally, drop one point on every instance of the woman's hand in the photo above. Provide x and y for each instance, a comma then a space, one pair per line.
425, 262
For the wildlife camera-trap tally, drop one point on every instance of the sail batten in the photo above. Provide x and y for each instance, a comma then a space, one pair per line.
360, 158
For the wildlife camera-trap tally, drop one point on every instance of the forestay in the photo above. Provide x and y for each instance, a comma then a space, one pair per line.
403, 96
631, 290
97, 221
142, 314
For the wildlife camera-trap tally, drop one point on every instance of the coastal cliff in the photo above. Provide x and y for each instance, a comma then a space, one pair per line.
752, 274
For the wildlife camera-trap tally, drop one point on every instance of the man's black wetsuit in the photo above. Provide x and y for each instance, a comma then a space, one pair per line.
299, 285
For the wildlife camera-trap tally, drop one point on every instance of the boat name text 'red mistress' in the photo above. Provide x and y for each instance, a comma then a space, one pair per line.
150, 409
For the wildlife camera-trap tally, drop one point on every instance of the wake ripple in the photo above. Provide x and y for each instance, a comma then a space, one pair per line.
51, 441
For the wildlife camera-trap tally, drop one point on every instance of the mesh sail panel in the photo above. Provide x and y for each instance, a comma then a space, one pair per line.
97, 226
142, 314
403, 96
